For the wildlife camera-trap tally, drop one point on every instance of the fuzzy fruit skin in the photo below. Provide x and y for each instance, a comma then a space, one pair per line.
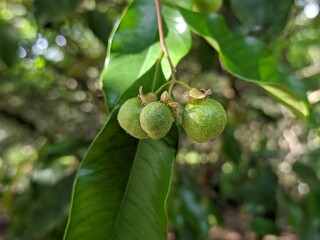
207, 6
204, 120
129, 118
156, 120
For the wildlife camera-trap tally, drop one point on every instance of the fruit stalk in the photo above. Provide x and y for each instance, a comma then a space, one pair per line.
172, 83
162, 40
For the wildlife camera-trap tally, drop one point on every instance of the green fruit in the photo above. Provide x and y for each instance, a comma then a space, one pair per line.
207, 6
204, 120
156, 120
129, 118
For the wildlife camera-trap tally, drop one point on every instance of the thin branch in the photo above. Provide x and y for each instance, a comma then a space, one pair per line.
24, 122
162, 41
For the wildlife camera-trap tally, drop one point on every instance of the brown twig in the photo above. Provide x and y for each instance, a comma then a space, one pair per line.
162, 41
23, 122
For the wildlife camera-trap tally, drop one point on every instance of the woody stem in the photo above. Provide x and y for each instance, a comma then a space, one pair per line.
162, 39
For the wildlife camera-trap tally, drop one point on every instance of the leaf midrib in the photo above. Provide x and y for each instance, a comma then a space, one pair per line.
124, 198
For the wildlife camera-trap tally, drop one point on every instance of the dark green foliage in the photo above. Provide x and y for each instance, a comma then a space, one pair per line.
8, 43
100, 25
46, 212
263, 18
46, 11
68, 168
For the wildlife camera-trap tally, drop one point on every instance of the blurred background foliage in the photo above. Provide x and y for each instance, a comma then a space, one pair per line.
260, 178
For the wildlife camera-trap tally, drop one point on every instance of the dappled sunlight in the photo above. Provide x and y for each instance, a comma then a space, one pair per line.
311, 10
60, 135
181, 25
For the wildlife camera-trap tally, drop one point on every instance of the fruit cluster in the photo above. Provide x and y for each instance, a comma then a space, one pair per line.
202, 119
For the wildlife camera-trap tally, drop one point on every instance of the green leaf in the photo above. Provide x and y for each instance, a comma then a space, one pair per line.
135, 47
249, 59
122, 185
262, 17
100, 25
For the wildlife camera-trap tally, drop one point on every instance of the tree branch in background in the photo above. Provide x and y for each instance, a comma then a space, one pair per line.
21, 120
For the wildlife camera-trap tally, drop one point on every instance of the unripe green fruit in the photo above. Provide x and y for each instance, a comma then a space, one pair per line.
204, 120
129, 118
207, 6
156, 120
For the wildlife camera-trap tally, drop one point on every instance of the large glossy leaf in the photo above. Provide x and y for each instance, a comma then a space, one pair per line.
122, 184
265, 18
134, 46
249, 59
